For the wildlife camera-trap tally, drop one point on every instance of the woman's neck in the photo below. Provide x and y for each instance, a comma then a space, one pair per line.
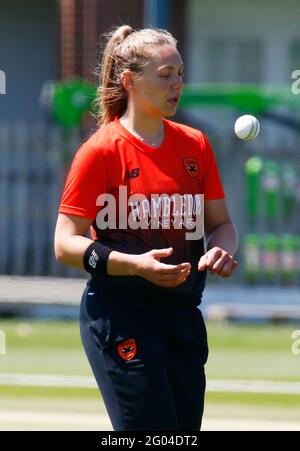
149, 129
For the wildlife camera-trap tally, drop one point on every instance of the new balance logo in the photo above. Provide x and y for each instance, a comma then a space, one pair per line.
133, 173
93, 259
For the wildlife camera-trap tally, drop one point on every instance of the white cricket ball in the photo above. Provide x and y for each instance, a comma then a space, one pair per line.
247, 127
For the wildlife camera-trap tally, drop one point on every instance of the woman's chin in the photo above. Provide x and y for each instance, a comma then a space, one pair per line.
170, 112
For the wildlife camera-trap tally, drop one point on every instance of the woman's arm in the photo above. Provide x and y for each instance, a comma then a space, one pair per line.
222, 240
71, 243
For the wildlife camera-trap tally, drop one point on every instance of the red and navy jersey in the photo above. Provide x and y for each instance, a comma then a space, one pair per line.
136, 194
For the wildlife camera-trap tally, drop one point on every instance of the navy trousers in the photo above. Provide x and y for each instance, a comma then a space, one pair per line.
148, 361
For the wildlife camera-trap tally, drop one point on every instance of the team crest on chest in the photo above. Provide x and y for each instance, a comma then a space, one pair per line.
191, 166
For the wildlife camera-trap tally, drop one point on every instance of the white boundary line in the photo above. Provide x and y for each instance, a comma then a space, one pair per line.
213, 385
253, 386
41, 380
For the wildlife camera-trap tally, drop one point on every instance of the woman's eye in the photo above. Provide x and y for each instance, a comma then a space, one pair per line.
168, 75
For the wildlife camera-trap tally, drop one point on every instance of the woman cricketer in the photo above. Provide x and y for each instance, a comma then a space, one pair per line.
149, 191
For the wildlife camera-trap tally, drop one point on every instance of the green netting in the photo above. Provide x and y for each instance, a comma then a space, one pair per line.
71, 100
251, 98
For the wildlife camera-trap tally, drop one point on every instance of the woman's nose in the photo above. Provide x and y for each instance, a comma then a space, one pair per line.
177, 83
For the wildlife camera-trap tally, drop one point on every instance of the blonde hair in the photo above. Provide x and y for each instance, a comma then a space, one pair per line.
126, 49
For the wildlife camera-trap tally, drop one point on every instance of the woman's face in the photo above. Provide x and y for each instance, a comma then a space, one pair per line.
157, 92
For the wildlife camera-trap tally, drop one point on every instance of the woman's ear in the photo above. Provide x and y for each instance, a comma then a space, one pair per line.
127, 80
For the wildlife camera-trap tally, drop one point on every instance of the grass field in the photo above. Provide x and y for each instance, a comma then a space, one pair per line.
261, 352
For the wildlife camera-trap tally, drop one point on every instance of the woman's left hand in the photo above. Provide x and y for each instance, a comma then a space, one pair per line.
218, 261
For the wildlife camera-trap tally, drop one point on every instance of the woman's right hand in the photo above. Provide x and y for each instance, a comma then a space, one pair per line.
149, 267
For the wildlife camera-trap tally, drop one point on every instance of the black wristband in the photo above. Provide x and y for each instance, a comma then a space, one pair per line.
95, 258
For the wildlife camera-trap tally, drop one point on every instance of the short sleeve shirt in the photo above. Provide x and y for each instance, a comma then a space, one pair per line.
142, 198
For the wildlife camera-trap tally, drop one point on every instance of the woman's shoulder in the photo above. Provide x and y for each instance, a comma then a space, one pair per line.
186, 131
101, 139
